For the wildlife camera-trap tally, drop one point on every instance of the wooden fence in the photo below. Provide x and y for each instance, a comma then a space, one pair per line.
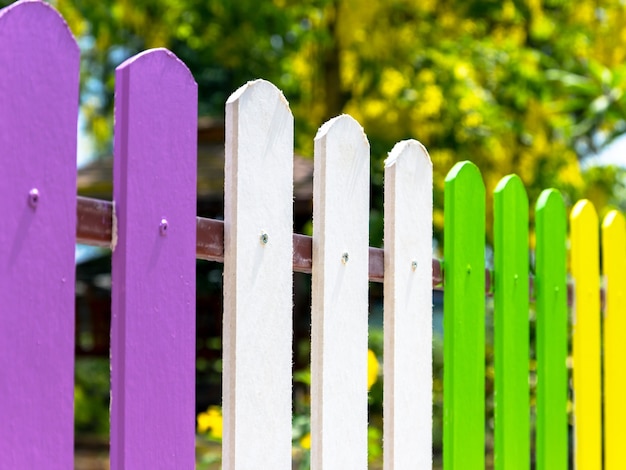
155, 238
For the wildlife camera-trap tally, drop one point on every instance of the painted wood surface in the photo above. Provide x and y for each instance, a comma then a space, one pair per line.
258, 223
614, 269
511, 326
464, 319
153, 332
408, 308
585, 266
39, 70
551, 445
339, 297
153, 271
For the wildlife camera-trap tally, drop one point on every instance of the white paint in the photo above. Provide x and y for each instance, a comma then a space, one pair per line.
408, 308
258, 279
339, 302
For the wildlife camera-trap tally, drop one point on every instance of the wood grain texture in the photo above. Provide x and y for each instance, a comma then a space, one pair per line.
153, 269
551, 333
39, 71
614, 269
464, 319
585, 267
339, 297
258, 225
511, 326
408, 308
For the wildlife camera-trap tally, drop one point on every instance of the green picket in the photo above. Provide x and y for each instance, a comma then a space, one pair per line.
464, 319
511, 327
551, 332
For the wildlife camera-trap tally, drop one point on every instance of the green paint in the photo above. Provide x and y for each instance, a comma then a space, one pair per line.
464, 319
551, 334
511, 329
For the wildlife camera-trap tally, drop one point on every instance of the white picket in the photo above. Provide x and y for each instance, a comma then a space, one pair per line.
339, 297
408, 308
258, 225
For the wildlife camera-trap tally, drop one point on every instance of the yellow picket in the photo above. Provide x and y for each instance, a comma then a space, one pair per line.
614, 264
586, 335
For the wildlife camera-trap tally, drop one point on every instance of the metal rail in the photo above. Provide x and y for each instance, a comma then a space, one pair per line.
95, 227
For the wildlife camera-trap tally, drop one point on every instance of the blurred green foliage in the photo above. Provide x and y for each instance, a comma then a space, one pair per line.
525, 86
91, 396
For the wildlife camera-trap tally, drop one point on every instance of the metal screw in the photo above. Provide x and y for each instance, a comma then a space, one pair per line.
344, 258
413, 265
33, 197
264, 238
163, 227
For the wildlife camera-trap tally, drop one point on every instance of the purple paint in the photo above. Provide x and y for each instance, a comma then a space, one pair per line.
153, 310
39, 73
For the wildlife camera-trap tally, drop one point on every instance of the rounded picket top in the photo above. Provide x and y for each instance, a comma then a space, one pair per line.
260, 99
510, 183
33, 25
614, 219
159, 67
585, 212
510, 194
342, 126
551, 200
464, 183
410, 150
464, 171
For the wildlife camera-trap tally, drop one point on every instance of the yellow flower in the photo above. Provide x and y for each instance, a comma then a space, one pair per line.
210, 422
305, 442
372, 368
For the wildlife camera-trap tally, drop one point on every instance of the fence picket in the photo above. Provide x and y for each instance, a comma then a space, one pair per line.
551, 332
614, 267
258, 223
464, 319
153, 331
511, 327
408, 308
586, 336
39, 72
339, 296
152, 225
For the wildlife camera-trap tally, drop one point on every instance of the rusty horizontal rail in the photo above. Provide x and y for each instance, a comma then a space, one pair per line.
95, 227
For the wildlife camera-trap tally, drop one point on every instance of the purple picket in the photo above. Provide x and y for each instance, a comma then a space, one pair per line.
153, 293
39, 75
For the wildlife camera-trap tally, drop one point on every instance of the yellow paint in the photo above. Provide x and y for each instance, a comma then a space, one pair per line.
614, 264
586, 335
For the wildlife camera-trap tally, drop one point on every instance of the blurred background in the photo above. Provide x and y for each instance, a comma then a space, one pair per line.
534, 87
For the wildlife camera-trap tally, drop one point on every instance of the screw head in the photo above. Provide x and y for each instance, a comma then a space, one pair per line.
413, 265
264, 238
345, 258
163, 226
33, 197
